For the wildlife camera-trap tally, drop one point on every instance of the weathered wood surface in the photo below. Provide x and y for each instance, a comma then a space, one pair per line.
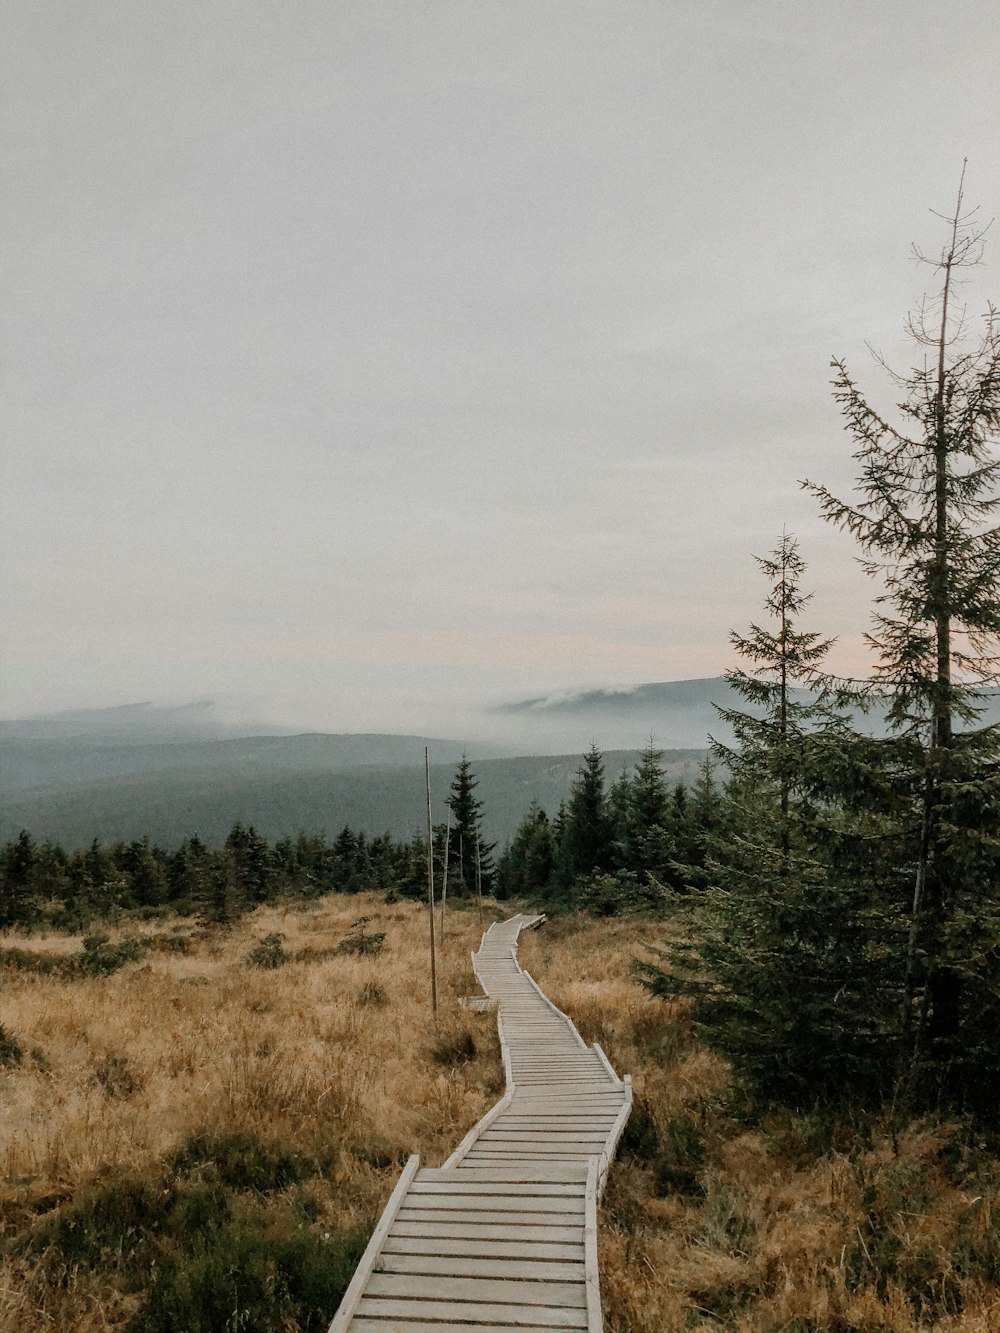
503, 1236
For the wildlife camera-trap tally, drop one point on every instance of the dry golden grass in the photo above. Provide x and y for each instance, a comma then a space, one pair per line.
338, 1058
761, 1229
709, 1222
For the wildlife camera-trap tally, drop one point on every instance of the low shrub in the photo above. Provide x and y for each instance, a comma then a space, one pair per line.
640, 1138
372, 994
173, 943
358, 941
101, 958
117, 1077
675, 1151
377, 1153
241, 1277
10, 1048
26, 960
454, 1048
125, 1223
242, 1162
40, 1060
269, 952
680, 1158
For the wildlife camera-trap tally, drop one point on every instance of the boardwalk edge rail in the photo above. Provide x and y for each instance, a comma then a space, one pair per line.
364, 1270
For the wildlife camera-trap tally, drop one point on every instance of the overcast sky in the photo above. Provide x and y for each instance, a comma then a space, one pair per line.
364, 358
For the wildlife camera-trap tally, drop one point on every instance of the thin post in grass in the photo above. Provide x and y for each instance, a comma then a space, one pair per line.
479, 881
430, 880
444, 881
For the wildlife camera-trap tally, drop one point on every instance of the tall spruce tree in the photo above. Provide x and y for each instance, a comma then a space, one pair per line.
779, 957
644, 828
467, 835
924, 519
527, 863
585, 831
19, 896
771, 738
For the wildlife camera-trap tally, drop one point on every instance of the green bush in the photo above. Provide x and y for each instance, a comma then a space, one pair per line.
237, 1279
10, 1048
126, 1223
372, 994
454, 1048
377, 1153
26, 960
681, 1157
100, 958
242, 1162
357, 941
620, 894
116, 1076
268, 952
675, 1152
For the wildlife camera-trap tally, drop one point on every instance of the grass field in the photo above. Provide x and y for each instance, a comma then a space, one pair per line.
275, 1102
198, 1141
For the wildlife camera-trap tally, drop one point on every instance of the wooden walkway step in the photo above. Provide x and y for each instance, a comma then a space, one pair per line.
503, 1236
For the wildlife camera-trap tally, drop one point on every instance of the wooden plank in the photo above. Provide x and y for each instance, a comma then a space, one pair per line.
572, 1143
542, 1132
447, 1315
557, 1080
472, 1265
559, 1174
495, 1203
602, 1122
486, 1290
535, 1219
589, 1127
484, 1249
404, 1325
543, 1139
554, 1108
562, 1060
600, 1093
520, 1231
539, 1157
505, 1189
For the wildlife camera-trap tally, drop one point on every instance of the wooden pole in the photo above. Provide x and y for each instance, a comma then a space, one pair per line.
430, 880
479, 881
444, 883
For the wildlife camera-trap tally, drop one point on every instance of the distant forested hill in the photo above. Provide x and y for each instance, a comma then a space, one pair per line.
171, 802
677, 713
124, 772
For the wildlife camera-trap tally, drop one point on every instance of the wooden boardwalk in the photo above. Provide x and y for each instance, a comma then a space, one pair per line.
504, 1235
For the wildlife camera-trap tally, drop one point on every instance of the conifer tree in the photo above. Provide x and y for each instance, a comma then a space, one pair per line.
19, 897
585, 833
467, 833
249, 870
526, 865
651, 836
771, 734
925, 521
780, 961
